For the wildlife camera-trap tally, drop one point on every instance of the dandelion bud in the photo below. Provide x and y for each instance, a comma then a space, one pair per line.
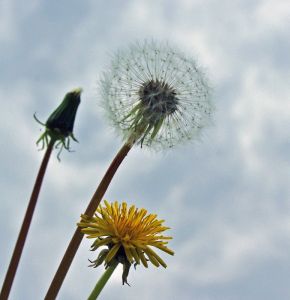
62, 119
59, 125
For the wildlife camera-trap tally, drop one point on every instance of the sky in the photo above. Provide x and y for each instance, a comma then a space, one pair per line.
226, 196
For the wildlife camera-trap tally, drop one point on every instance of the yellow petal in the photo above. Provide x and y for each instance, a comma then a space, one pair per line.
129, 255
165, 249
103, 242
112, 252
135, 255
142, 257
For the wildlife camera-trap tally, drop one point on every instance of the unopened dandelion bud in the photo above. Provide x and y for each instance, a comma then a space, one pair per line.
59, 126
63, 118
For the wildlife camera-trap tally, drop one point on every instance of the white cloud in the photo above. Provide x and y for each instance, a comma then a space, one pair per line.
7, 26
274, 14
12, 12
227, 202
222, 253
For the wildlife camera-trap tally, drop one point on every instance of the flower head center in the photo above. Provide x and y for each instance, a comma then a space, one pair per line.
158, 97
126, 238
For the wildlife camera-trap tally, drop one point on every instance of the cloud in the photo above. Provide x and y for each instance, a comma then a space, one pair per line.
226, 197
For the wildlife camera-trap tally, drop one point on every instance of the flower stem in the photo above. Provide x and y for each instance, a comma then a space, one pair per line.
102, 281
8, 281
78, 235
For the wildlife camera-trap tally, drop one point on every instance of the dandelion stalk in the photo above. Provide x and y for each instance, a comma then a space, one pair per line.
8, 281
78, 235
102, 281
58, 130
154, 96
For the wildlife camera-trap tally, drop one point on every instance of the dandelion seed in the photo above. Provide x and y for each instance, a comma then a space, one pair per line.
128, 233
156, 95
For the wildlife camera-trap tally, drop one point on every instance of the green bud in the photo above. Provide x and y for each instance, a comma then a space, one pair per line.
63, 118
59, 125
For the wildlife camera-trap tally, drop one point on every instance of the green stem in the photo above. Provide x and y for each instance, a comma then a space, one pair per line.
102, 281
14, 262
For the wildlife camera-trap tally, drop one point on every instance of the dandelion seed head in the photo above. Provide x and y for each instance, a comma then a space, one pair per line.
158, 98
158, 93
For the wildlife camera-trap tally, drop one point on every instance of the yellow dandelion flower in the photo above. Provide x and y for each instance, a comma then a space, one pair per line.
129, 234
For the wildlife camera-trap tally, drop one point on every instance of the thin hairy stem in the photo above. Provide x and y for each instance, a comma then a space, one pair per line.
78, 235
14, 262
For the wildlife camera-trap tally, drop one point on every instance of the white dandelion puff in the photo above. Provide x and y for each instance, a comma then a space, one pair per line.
155, 94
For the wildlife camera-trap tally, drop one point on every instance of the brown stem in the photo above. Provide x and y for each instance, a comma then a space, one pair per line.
8, 281
78, 235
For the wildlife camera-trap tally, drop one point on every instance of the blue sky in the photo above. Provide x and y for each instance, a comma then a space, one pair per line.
226, 197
